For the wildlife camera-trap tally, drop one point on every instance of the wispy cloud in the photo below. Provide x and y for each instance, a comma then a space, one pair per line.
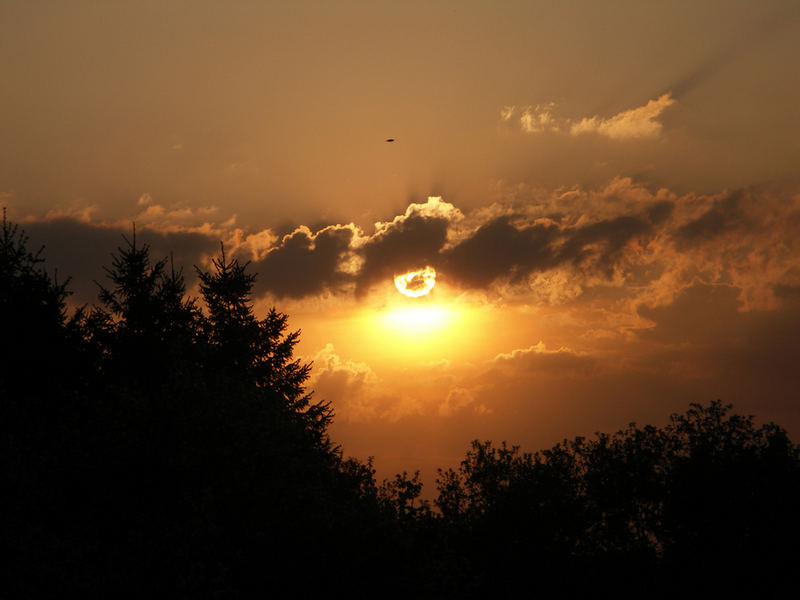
539, 118
636, 123
507, 112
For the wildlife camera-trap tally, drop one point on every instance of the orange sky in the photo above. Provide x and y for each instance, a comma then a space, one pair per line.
608, 193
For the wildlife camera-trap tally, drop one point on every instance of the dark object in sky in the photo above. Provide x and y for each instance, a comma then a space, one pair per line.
389, 139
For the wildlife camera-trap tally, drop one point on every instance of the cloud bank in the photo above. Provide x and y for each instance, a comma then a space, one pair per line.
554, 248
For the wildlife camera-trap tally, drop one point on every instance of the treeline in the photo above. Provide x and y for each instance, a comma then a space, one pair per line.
153, 447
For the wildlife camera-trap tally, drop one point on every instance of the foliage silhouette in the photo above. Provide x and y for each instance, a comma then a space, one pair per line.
257, 350
155, 445
664, 507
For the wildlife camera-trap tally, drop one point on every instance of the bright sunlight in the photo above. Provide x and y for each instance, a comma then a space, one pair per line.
416, 283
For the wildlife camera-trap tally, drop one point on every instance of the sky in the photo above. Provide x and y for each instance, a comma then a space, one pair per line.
607, 192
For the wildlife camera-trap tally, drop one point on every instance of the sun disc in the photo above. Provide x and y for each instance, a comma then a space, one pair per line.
416, 283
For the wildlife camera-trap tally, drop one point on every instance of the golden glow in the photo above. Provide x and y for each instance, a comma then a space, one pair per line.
394, 331
416, 283
416, 321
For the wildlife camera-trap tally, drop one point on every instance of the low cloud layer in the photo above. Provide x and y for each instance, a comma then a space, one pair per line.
553, 248
647, 245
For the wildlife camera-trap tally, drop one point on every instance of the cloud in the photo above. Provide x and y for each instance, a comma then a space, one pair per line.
539, 118
725, 214
636, 123
348, 385
305, 263
459, 399
507, 112
356, 392
514, 251
500, 248
569, 247
79, 250
408, 242
539, 361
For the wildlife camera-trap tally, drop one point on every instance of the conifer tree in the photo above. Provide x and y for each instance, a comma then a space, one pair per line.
32, 310
259, 349
144, 325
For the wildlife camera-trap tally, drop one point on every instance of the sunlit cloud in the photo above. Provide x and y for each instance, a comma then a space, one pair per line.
507, 112
351, 386
636, 123
356, 392
539, 118
459, 399
544, 362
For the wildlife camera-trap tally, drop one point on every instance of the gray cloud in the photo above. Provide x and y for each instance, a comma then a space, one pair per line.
304, 264
500, 248
402, 246
80, 250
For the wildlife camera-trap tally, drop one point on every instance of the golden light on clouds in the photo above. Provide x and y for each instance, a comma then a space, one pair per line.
416, 283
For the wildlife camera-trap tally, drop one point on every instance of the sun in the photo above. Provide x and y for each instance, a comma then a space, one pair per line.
416, 283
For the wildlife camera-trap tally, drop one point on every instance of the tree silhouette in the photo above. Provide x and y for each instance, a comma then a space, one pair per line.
152, 447
32, 313
144, 326
661, 506
258, 350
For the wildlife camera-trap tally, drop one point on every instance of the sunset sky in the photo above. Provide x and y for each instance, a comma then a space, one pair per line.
608, 193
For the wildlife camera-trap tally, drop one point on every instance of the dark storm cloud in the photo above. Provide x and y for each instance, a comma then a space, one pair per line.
80, 250
304, 264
